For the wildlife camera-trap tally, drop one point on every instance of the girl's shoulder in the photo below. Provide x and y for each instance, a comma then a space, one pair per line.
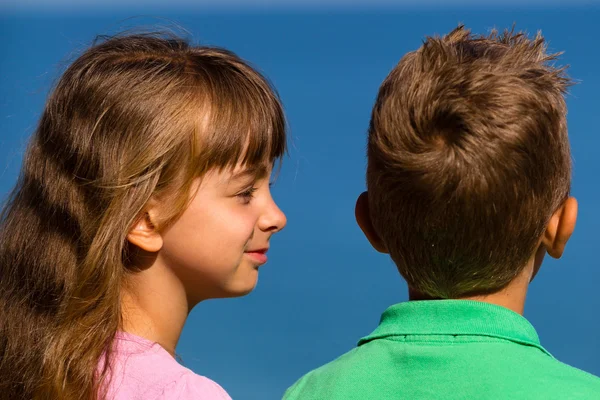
144, 370
191, 386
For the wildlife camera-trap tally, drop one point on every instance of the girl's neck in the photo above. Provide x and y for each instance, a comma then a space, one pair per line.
154, 306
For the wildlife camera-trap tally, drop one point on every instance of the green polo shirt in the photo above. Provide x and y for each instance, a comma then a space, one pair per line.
447, 349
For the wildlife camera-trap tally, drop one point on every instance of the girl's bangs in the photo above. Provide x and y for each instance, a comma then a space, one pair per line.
244, 125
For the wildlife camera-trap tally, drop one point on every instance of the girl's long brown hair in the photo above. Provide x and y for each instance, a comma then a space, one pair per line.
134, 118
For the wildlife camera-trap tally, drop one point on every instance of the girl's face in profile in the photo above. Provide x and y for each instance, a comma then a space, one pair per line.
218, 244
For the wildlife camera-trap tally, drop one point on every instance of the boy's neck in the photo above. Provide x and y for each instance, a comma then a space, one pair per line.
511, 297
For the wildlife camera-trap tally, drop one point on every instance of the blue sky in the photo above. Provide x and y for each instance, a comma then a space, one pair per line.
324, 287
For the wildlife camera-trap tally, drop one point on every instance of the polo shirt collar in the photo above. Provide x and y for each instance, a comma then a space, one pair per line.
455, 317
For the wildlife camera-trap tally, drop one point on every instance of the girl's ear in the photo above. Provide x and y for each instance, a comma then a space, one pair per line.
144, 235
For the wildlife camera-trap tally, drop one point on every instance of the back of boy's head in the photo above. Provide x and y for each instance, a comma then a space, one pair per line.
468, 158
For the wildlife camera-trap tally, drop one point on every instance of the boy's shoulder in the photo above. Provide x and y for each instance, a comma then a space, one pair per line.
463, 349
325, 381
357, 376
556, 380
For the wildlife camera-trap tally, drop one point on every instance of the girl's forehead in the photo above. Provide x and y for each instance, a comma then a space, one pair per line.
257, 170
241, 172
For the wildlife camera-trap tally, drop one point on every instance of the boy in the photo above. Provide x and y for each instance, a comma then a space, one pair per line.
468, 188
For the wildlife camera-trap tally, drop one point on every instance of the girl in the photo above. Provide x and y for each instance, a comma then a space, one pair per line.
144, 191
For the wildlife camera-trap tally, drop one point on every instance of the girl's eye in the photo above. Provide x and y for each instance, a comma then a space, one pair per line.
247, 195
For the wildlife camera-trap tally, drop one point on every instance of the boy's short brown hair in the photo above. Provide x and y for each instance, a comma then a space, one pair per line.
468, 158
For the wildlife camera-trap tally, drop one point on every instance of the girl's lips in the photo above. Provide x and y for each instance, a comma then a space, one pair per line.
259, 256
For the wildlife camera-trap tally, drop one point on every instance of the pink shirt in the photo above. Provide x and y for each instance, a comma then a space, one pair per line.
143, 370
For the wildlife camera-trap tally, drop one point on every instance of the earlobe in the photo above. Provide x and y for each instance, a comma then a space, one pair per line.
363, 218
144, 234
560, 228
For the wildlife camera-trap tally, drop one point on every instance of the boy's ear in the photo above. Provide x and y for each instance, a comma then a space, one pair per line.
144, 235
560, 228
363, 217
